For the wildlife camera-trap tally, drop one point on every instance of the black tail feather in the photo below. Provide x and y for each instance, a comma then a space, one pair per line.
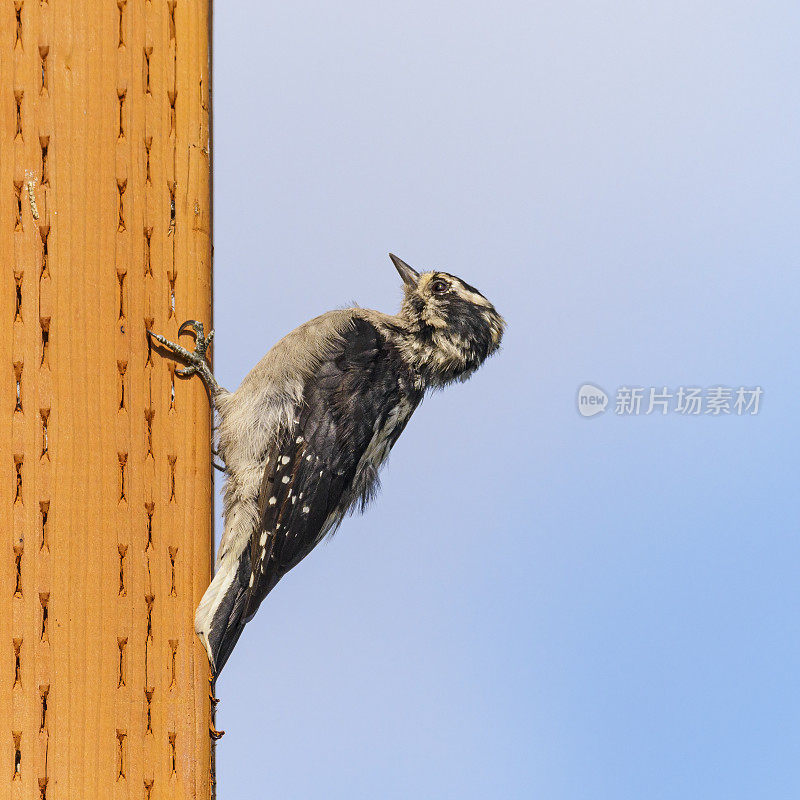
223, 621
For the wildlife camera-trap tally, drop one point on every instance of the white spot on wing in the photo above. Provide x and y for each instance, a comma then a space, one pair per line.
285, 479
263, 540
285, 459
273, 500
306, 509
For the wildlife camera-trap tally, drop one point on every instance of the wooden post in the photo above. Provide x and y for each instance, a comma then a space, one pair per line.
105, 473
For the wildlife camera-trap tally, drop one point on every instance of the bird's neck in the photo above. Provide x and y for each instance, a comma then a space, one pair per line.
437, 355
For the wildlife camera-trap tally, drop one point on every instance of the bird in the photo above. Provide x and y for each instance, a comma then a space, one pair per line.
303, 437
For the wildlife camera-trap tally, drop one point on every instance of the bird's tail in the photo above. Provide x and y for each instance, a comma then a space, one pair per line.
219, 620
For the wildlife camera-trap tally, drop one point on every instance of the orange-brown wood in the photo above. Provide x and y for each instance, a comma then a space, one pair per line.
105, 471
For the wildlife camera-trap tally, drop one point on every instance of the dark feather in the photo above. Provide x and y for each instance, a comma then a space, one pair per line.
349, 398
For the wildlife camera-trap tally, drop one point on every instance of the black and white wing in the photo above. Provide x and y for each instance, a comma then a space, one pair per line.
355, 405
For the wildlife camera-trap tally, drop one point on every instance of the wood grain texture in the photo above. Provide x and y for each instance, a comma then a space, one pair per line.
105, 471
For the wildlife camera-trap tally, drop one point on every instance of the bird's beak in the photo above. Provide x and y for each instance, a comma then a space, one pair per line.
409, 275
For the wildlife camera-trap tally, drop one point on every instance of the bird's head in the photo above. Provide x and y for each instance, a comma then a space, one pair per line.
454, 328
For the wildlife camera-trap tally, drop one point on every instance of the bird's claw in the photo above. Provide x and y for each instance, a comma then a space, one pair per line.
191, 324
201, 341
200, 347
212, 728
196, 357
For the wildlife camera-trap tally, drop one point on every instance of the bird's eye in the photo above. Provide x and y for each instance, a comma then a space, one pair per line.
439, 286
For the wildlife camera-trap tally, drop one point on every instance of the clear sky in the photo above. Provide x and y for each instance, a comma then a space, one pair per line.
539, 605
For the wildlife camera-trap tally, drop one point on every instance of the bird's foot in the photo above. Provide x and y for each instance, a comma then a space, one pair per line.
214, 733
211, 695
197, 357
212, 729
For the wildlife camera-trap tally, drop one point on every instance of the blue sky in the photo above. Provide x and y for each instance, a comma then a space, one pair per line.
538, 604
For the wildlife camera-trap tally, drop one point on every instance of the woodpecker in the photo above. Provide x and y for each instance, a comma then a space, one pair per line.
303, 437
